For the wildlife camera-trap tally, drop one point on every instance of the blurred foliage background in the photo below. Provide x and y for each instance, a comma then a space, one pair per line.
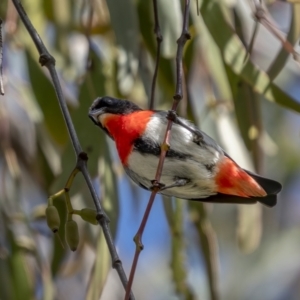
250, 105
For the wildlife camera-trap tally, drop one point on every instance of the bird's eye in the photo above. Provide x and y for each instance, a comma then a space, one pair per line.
109, 102
97, 104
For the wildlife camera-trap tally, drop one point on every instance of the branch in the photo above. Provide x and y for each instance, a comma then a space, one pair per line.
164, 147
261, 16
1, 60
49, 62
208, 244
159, 39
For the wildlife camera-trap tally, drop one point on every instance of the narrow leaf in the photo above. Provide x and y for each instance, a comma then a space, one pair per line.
292, 36
233, 53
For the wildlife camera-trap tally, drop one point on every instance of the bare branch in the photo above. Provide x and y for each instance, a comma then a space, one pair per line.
185, 35
262, 17
49, 62
1, 61
159, 39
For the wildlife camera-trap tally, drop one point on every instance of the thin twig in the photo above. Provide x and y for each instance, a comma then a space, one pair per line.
251, 44
261, 16
159, 39
209, 246
177, 262
49, 62
1, 61
185, 35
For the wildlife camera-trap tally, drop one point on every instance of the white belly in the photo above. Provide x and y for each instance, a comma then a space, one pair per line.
142, 167
142, 170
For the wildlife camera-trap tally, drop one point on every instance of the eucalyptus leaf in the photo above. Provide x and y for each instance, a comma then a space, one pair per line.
170, 19
166, 71
46, 98
124, 21
100, 270
233, 53
208, 244
21, 280
292, 36
178, 265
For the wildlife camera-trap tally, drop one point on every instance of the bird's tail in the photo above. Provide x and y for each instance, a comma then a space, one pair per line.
271, 187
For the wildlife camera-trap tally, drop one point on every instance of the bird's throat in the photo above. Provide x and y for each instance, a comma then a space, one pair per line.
125, 129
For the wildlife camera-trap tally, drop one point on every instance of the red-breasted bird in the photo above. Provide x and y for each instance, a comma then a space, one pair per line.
195, 167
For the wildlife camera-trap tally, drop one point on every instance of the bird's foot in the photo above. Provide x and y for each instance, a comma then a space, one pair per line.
178, 182
161, 187
156, 185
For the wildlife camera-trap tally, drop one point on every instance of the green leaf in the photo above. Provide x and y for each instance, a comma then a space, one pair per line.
93, 142
124, 21
58, 250
46, 97
21, 279
100, 270
90, 137
292, 36
233, 53
166, 78
170, 20
212, 60
208, 244
178, 266
249, 228
6, 283
247, 108
109, 187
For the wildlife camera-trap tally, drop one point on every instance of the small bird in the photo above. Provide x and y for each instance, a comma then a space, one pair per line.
195, 167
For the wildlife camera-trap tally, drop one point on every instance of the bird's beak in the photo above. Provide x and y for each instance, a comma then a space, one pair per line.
94, 114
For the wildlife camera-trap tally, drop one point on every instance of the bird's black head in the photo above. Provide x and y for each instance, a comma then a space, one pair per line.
110, 105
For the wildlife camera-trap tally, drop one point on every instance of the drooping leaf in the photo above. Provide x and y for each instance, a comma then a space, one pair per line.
166, 79
100, 270
21, 279
58, 250
247, 108
178, 266
46, 97
170, 18
292, 36
213, 62
234, 146
124, 21
208, 244
249, 227
89, 136
233, 53
125, 24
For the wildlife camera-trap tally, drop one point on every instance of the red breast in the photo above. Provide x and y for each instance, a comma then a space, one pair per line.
125, 129
232, 180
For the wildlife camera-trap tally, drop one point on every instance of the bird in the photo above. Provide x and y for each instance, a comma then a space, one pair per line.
195, 167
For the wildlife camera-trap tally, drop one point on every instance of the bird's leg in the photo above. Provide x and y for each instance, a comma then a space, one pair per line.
157, 185
197, 136
178, 182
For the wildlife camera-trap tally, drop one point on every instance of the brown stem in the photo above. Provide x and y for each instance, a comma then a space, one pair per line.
1, 60
185, 35
49, 62
159, 39
262, 17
